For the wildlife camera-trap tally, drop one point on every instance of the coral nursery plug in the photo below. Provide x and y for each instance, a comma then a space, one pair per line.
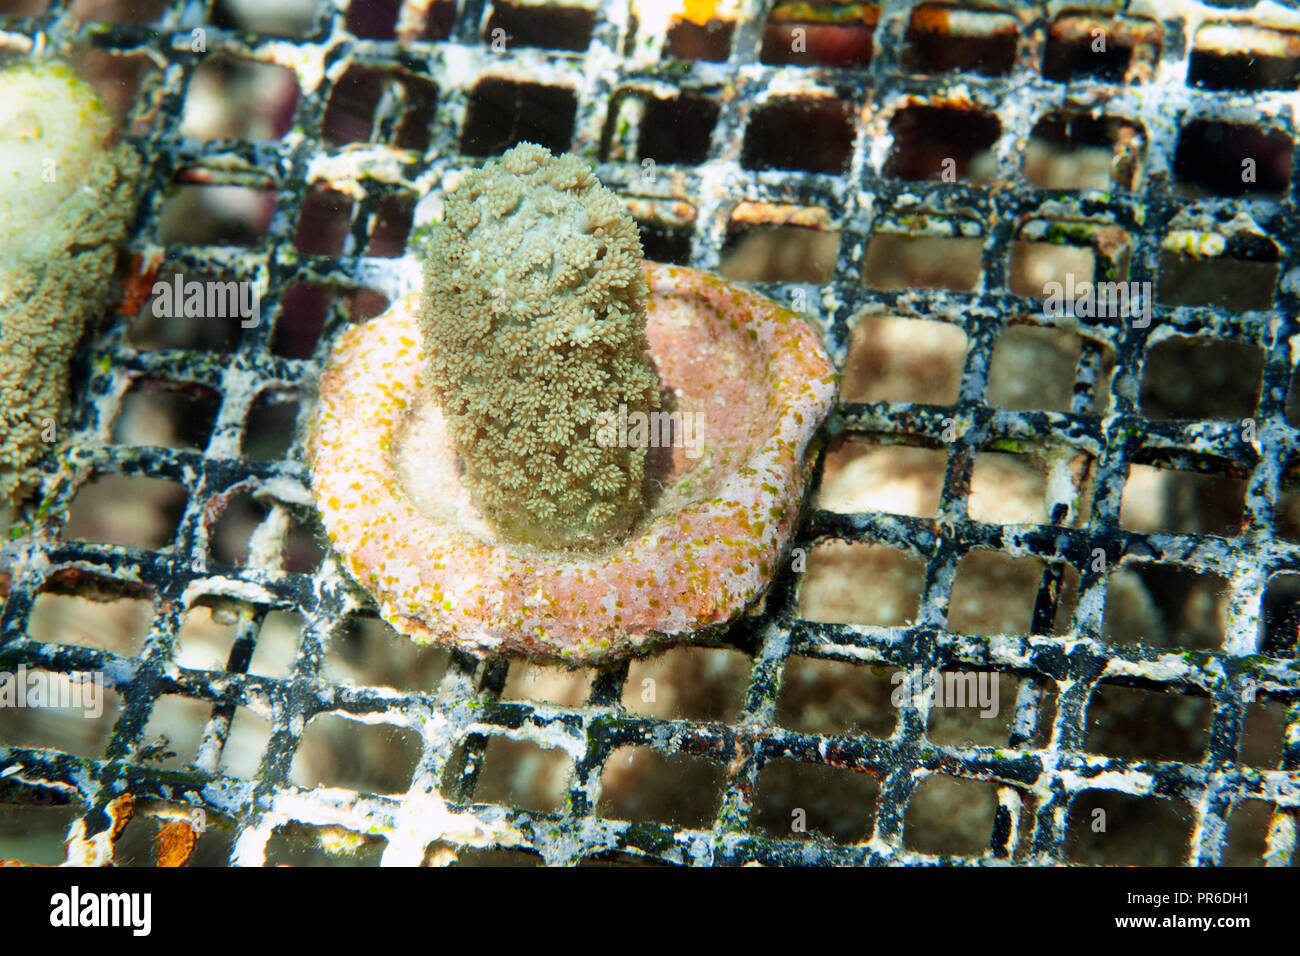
68, 193
557, 450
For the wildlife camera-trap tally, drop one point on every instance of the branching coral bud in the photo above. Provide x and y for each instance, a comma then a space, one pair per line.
67, 194
533, 319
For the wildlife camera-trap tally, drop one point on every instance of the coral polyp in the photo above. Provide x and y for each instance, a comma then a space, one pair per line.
533, 318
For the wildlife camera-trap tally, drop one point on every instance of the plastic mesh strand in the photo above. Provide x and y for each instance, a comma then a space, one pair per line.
1035, 782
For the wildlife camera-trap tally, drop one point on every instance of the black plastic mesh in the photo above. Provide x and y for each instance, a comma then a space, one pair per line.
850, 138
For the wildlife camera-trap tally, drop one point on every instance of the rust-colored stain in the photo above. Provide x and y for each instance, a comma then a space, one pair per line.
958, 99
120, 811
932, 18
137, 285
175, 843
927, 19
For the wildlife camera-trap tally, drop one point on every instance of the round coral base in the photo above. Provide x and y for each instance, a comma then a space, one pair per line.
751, 382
